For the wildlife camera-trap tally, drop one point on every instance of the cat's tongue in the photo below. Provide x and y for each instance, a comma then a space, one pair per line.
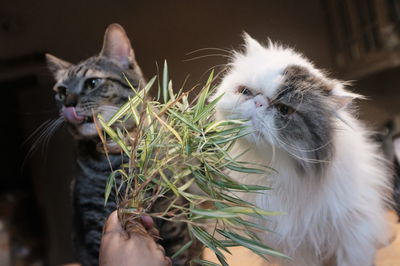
70, 115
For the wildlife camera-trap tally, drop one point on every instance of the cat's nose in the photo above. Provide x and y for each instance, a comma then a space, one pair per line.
260, 101
71, 100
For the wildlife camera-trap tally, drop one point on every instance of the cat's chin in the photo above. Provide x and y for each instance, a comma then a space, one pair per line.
255, 137
88, 130
84, 131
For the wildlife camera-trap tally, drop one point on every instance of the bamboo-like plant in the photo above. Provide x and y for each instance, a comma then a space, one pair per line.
176, 145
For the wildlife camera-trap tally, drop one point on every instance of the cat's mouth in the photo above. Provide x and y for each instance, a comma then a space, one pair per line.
70, 115
88, 119
82, 125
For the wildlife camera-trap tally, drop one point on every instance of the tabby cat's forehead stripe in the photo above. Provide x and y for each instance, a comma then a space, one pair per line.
98, 67
78, 69
84, 72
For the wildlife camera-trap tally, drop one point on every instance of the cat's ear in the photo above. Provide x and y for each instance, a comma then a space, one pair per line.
117, 46
56, 65
343, 97
251, 45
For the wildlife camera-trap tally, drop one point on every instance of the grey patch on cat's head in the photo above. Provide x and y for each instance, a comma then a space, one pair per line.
97, 85
307, 133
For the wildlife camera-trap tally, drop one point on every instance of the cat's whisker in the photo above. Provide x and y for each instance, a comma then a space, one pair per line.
44, 124
205, 56
291, 148
307, 160
283, 144
42, 134
216, 76
210, 48
53, 128
235, 107
214, 67
307, 150
273, 154
44, 138
108, 108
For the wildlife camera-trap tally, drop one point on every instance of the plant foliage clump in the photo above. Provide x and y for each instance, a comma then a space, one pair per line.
174, 146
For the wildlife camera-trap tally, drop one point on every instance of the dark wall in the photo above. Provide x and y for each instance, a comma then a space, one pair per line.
73, 30
162, 29
383, 91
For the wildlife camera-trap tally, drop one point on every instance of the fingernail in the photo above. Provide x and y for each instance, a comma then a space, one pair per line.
147, 221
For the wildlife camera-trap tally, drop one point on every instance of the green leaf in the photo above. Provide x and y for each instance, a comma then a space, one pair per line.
222, 260
168, 183
229, 131
232, 185
205, 262
114, 136
109, 185
173, 131
234, 200
208, 240
171, 92
182, 249
230, 139
207, 110
215, 125
204, 94
134, 112
184, 120
250, 211
231, 212
250, 224
243, 169
165, 82
253, 245
133, 102
186, 185
213, 213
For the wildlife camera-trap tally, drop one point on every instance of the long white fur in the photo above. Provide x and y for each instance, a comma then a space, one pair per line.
339, 215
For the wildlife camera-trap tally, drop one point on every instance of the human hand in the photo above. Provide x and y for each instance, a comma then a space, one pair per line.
118, 248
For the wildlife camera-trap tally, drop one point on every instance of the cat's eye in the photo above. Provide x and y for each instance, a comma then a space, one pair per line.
284, 109
244, 90
61, 92
91, 83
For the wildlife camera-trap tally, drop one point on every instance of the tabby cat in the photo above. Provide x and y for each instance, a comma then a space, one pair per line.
97, 86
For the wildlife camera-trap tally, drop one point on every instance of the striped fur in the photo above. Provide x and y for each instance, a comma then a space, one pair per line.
91, 87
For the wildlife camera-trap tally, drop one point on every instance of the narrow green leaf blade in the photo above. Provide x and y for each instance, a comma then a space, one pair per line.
165, 82
254, 246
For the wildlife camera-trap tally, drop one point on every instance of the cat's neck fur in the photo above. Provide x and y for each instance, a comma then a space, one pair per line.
88, 154
315, 200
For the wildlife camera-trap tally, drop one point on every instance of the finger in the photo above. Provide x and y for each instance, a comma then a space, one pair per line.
154, 233
147, 221
161, 248
168, 261
112, 223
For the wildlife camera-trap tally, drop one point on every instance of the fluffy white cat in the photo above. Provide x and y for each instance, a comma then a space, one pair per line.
331, 181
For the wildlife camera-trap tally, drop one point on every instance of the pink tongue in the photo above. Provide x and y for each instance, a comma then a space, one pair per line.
70, 114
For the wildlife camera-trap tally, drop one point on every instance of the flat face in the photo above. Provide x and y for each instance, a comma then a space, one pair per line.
288, 103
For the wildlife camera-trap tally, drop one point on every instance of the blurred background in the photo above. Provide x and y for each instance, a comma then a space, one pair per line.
352, 39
